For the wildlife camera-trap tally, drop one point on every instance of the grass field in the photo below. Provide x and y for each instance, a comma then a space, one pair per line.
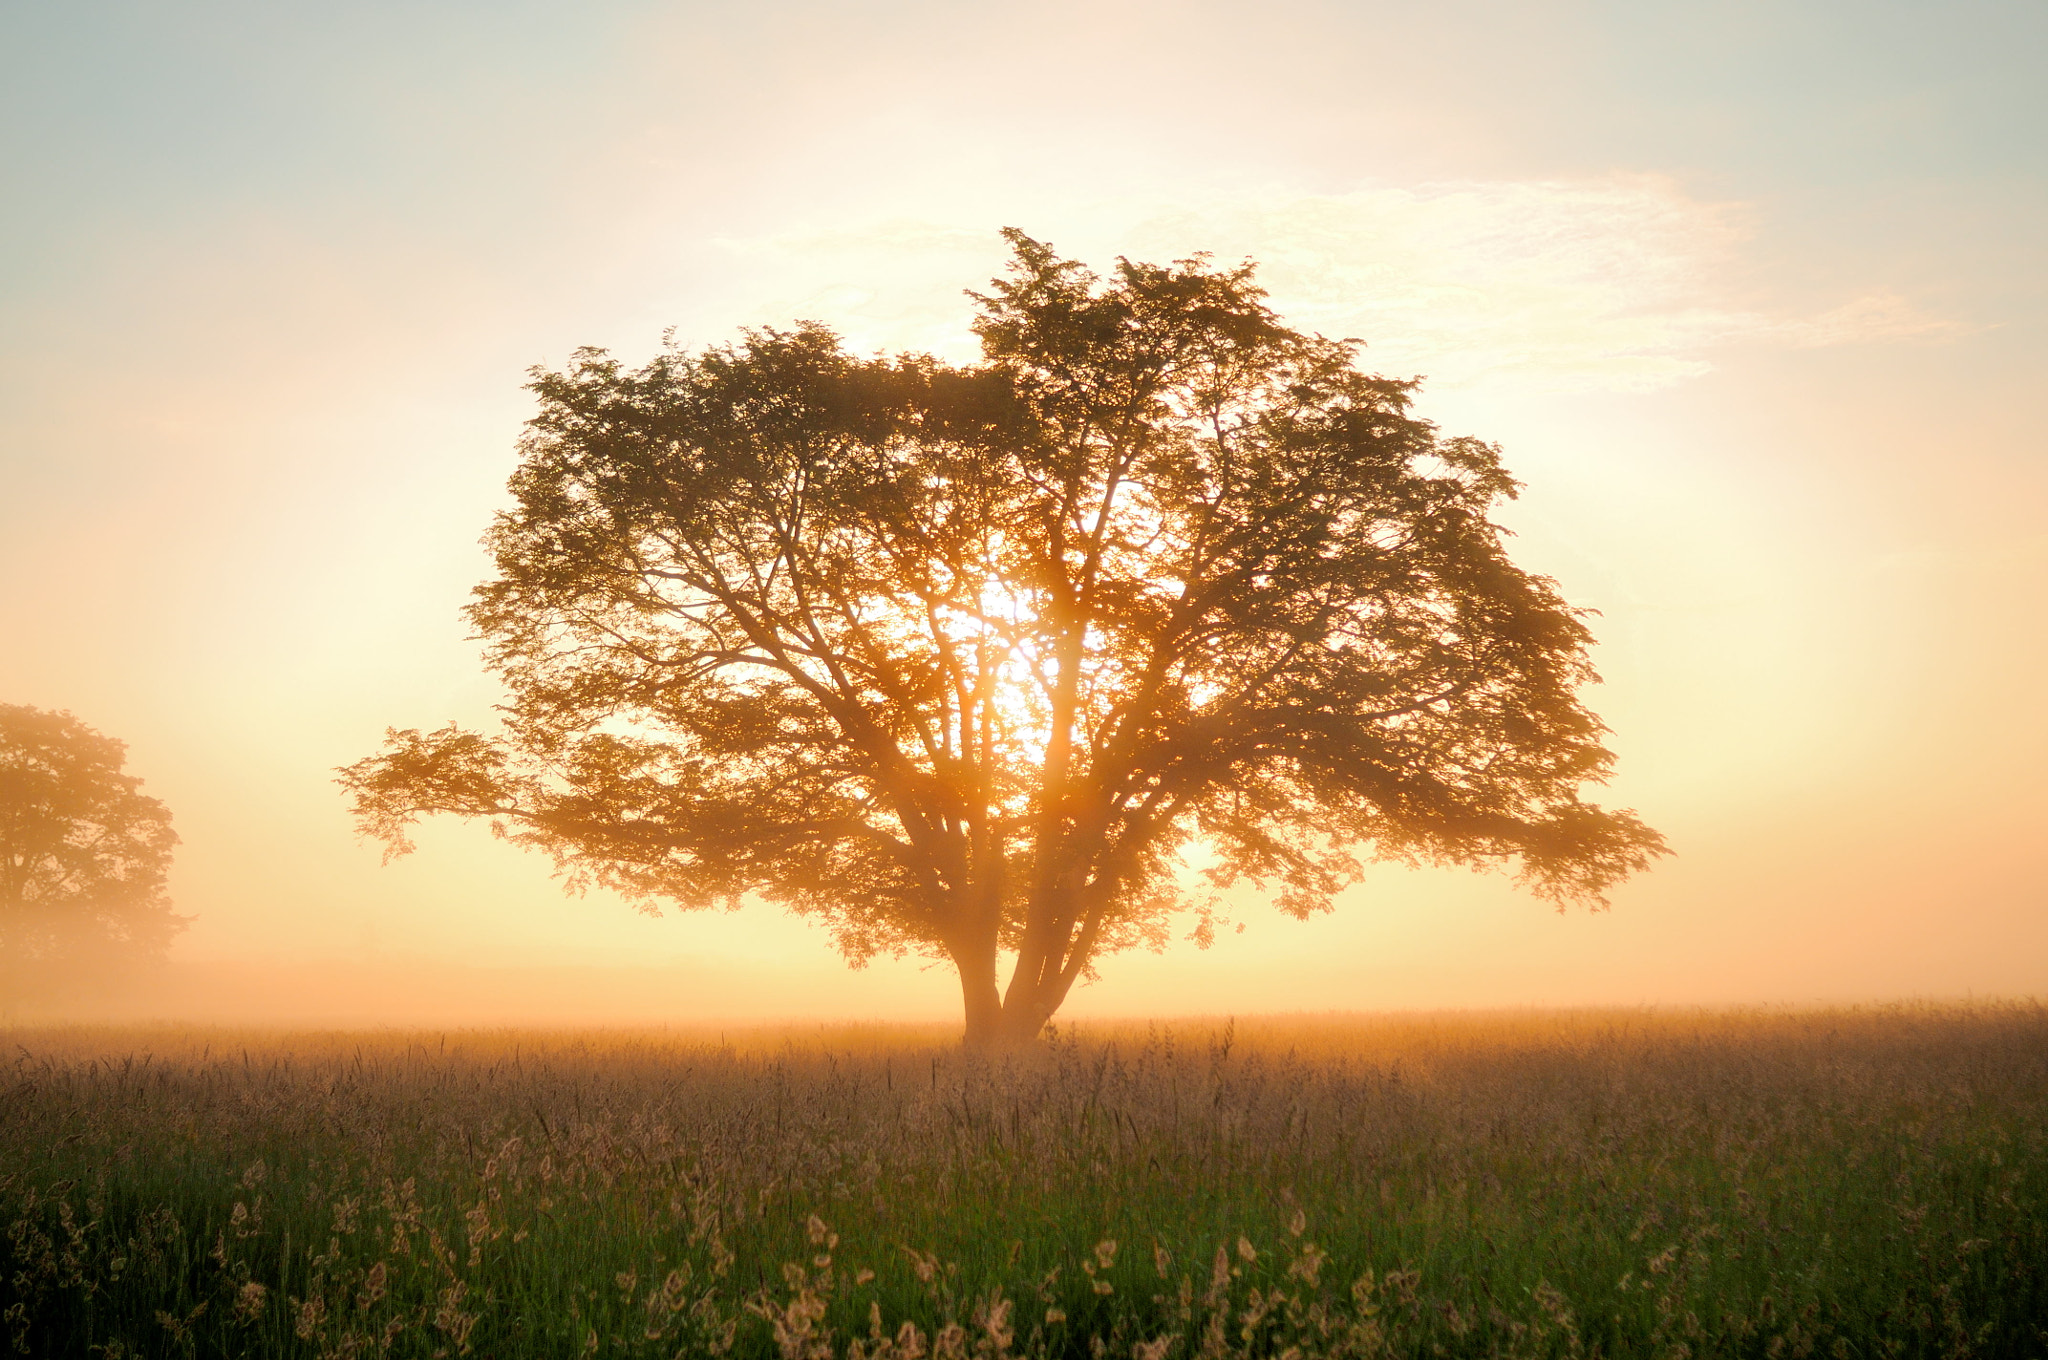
1841, 1183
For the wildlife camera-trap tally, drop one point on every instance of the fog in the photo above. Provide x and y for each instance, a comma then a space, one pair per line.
1752, 301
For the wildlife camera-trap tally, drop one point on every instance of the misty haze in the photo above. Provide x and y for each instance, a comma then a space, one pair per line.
911, 683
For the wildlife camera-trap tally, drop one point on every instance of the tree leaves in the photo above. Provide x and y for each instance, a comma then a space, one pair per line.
960, 659
83, 852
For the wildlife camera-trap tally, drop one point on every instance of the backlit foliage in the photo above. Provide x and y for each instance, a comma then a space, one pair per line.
83, 851
962, 660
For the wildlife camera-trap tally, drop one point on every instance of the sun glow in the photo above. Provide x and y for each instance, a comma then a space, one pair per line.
1742, 296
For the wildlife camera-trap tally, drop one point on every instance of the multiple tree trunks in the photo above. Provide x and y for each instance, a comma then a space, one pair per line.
966, 661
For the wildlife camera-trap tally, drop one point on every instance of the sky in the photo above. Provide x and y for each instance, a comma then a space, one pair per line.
1753, 296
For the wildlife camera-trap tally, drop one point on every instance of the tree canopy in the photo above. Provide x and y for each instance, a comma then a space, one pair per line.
83, 851
967, 661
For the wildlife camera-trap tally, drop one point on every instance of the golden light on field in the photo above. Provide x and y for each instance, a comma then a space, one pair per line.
1752, 302
1556, 1183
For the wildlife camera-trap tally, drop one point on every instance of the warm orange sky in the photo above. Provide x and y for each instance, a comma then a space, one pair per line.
1753, 299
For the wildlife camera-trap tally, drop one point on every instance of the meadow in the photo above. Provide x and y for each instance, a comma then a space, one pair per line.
1862, 1182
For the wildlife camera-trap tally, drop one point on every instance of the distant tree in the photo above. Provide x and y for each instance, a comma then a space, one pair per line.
83, 852
962, 661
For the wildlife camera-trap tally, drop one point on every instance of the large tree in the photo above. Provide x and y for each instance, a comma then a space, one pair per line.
972, 661
83, 851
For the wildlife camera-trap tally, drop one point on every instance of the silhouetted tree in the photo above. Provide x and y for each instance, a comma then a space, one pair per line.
961, 660
83, 852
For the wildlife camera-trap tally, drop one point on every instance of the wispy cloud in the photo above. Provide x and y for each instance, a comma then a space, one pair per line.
1614, 284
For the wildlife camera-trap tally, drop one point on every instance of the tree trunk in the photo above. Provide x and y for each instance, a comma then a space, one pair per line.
1023, 1021
983, 1002
999, 1018
995, 1021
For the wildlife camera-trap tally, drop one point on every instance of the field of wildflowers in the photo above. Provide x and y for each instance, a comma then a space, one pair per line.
1839, 1183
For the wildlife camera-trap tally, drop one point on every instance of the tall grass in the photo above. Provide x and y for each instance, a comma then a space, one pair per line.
1846, 1183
